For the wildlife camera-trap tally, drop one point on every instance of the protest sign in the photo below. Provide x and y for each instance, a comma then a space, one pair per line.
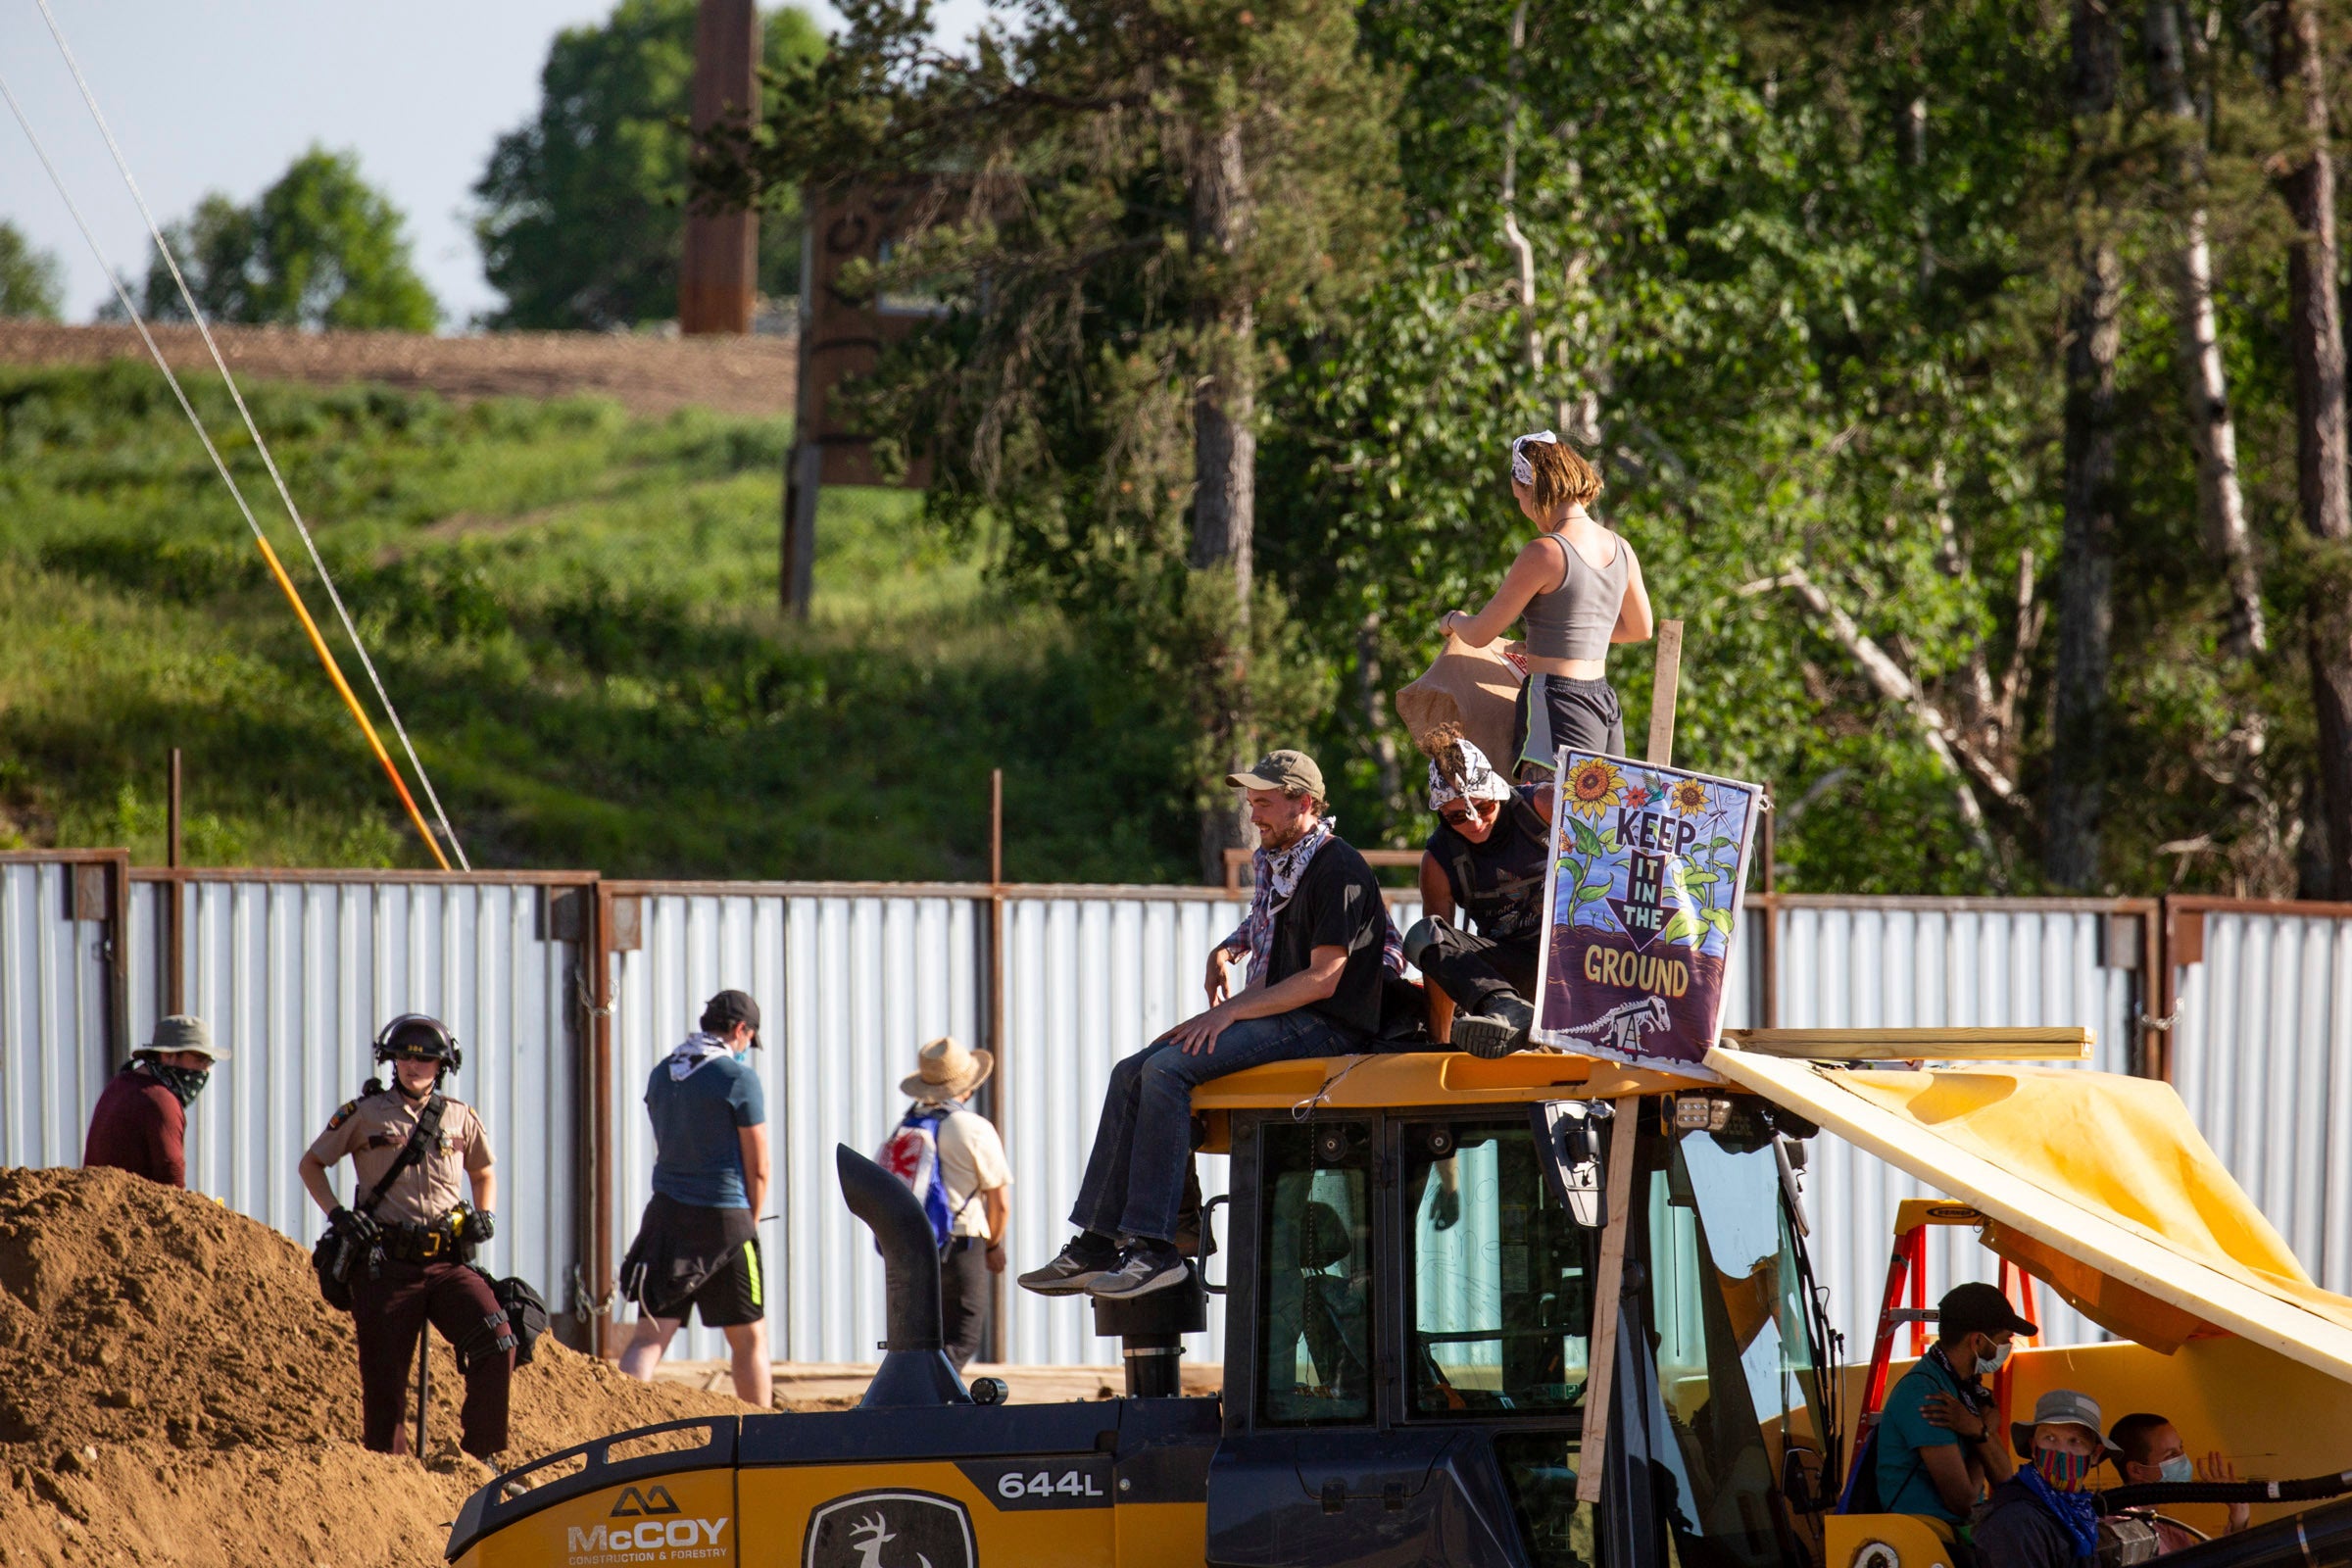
1647, 866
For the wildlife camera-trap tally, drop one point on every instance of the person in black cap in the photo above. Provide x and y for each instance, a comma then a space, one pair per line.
697, 1246
1938, 1443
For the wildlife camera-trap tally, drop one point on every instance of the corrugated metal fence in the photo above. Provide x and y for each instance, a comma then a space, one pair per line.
295, 970
2262, 1052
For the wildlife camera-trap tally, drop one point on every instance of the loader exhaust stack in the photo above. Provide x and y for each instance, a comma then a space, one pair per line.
915, 1371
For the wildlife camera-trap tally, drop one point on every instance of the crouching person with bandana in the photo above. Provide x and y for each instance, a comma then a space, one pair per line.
1485, 860
1320, 947
2044, 1516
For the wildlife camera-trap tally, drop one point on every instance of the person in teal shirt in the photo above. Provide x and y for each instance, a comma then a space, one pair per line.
1937, 1446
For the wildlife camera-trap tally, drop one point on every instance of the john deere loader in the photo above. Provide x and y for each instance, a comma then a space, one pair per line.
1542, 1311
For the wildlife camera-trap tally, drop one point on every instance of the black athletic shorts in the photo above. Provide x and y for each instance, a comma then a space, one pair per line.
686, 1259
1554, 711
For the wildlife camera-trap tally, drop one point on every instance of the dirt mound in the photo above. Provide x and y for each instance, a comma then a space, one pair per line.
173, 1391
648, 375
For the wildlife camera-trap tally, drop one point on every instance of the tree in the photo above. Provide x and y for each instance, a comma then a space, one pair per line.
582, 207
31, 283
1125, 200
2086, 563
319, 248
2316, 337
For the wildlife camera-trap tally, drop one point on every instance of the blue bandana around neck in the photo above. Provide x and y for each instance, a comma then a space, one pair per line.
2076, 1512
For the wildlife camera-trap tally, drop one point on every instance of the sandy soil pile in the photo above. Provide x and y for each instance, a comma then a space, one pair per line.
173, 1391
651, 375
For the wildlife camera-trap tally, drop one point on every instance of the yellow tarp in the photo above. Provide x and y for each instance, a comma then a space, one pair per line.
2109, 1172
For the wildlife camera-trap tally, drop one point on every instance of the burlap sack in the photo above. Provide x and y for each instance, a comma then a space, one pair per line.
1473, 687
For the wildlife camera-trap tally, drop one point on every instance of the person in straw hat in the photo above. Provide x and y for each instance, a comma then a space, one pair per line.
951, 1155
141, 1121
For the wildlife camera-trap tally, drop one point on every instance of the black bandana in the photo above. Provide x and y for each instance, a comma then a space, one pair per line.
186, 1082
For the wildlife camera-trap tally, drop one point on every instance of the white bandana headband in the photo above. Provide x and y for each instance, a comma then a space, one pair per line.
1479, 781
1523, 470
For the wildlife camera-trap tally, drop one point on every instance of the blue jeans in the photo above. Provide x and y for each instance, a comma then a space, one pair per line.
1134, 1181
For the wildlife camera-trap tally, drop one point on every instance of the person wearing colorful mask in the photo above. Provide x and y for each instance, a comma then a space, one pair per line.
1575, 589
1485, 860
1936, 1444
2148, 1450
2044, 1516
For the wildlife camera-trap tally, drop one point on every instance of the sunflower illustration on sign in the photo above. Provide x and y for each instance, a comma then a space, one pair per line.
1593, 786
1647, 868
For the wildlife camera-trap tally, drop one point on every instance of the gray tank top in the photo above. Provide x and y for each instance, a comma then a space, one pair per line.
1574, 620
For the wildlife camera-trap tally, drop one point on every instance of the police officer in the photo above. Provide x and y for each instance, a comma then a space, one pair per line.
411, 1246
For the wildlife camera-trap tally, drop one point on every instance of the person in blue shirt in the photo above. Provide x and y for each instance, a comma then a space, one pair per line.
1937, 1448
697, 1245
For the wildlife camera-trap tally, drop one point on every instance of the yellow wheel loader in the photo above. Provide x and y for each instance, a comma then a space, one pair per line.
1542, 1311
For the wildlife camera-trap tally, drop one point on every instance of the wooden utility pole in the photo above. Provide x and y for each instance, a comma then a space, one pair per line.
718, 272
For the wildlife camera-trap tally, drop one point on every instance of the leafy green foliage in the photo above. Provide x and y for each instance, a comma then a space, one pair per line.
33, 285
582, 207
569, 605
320, 248
1114, 200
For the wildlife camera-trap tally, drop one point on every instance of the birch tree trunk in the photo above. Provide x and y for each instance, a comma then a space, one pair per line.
2315, 325
1225, 467
2212, 431
2087, 559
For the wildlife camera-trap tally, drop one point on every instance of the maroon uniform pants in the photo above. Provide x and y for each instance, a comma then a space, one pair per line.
389, 1312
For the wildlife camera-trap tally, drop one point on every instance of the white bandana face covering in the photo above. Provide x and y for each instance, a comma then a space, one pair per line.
1523, 470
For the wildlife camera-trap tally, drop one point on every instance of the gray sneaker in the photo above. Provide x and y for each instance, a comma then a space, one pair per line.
1074, 1268
1145, 1267
1498, 1031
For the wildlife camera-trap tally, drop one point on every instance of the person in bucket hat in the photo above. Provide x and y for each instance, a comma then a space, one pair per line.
952, 1157
2043, 1515
141, 1121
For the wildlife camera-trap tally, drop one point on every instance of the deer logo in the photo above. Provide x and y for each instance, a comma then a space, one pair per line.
867, 1538
890, 1530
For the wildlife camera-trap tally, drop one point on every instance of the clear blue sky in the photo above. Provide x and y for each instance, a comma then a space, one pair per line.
222, 94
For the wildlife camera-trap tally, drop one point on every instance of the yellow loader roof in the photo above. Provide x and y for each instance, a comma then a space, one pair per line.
2100, 1184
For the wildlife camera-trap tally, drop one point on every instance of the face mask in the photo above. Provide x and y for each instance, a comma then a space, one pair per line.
186, 1082
2179, 1468
1987, 1365
2061, 1470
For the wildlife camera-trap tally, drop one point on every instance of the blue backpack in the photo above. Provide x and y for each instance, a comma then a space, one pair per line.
911, 1154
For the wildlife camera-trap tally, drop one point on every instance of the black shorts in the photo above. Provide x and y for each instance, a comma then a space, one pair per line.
686, 1259
1554, 711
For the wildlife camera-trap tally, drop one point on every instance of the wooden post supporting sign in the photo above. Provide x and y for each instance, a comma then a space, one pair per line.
1662, 692
1608, 1287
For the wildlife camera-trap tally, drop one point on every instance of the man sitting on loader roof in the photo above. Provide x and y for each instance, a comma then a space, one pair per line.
1937, 1442
1318, 936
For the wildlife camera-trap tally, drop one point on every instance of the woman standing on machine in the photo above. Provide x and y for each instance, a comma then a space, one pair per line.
1578, 588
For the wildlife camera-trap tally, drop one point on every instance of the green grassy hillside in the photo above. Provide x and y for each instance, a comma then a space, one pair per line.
576, 611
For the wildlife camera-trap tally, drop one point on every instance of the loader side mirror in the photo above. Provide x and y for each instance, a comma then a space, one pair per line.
1569, 1133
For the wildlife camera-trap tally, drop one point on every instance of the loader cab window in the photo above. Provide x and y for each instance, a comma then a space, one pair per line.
1501, 1298
1738, 1376
1316, 1358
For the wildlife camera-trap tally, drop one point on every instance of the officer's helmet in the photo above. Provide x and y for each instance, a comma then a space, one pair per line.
420, 1037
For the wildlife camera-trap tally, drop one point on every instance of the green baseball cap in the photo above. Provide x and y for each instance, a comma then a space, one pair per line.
1284, 769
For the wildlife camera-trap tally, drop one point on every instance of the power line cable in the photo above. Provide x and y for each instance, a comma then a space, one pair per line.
311, 545
277, 568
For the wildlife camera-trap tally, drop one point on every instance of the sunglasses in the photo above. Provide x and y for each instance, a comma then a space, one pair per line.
1454, 818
